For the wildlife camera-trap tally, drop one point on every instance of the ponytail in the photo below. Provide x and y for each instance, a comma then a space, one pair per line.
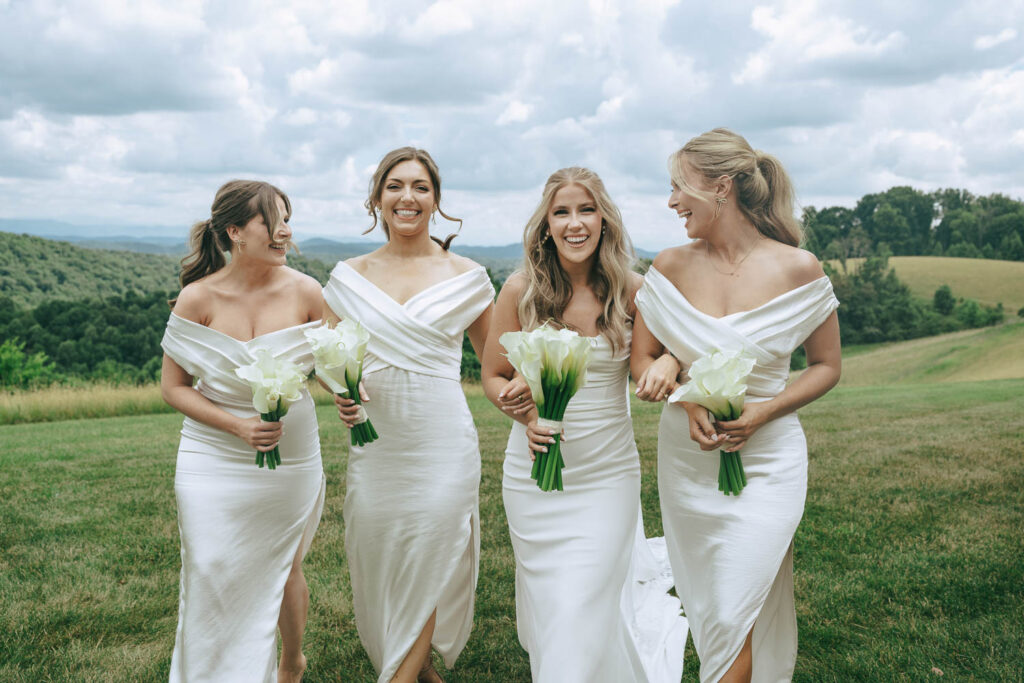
764, 192
207, 256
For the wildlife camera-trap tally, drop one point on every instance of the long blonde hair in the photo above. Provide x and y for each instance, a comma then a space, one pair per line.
764, 191
390, 160
548, 288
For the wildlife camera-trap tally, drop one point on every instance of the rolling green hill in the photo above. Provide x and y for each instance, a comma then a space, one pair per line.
985, 280
34, 270
969, 355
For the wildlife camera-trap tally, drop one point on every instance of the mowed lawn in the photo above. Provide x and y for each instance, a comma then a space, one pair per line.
908, 561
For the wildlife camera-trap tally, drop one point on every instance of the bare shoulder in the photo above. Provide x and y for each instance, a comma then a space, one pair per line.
192, 302
461, 264
674, 258
308, 288
362, 262
514, 286
798, 266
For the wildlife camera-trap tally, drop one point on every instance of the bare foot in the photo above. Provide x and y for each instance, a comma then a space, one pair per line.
291, 672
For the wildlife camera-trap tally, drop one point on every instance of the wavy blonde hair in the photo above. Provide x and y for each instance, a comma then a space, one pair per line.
548, 288
764, 191
390, 160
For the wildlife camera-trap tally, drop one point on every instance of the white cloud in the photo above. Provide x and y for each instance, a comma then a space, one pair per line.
990, 41
150, 106
515, 112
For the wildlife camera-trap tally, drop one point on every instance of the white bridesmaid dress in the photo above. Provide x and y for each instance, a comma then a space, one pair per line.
591, 596
733, 555
412, 527
240, 525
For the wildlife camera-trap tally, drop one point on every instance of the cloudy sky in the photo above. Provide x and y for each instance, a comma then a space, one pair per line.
132, 113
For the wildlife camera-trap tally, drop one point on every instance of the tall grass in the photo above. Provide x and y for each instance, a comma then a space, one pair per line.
80, 402
56, 403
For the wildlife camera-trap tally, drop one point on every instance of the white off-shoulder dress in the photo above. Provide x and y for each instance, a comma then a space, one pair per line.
240, 525
733, 555
412, 528
591, 594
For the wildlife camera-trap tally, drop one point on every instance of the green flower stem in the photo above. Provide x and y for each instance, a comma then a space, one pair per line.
362, 433
271, 458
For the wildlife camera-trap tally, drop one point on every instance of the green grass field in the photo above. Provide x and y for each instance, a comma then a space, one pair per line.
968, 355
908, 559
985, 280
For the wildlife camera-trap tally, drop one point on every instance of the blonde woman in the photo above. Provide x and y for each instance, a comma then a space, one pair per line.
241, 568
412, 530
580, 552
741, 284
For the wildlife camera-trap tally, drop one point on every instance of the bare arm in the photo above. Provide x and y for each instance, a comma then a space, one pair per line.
824, 365
656, 371
176, 389
496, 373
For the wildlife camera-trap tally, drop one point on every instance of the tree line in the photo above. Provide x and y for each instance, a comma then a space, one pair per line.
903, 221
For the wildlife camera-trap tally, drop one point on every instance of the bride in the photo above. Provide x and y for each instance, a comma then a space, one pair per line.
581, 612
742, 284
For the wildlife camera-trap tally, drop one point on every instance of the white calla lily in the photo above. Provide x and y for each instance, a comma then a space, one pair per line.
553, 363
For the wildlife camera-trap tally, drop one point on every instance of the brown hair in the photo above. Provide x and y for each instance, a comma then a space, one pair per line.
548, 288
390, 160
764, 191
237, 202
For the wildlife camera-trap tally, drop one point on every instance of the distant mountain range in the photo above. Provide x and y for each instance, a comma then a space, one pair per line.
159, 239
77, 262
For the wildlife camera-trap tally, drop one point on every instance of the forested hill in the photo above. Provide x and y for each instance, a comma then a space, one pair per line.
34, 270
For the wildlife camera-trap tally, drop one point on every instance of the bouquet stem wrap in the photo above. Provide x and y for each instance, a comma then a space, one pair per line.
554, 365
718, 382
338, 354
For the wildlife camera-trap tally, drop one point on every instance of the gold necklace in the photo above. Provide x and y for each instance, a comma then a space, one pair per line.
732, 273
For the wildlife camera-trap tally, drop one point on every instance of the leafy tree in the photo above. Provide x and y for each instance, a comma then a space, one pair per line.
20, 370
943, 302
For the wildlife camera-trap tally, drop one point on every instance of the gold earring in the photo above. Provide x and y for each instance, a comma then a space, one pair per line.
719, 202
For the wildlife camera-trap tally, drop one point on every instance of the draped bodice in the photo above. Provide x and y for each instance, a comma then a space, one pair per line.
607, 373
213, 356
770, 332
423, 335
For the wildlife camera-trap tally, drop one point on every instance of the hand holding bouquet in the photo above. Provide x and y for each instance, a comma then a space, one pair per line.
554, 365
276, 384
718, 382
338, 353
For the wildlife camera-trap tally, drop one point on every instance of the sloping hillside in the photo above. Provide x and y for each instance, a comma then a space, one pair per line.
987, 353
33, 270
984, 280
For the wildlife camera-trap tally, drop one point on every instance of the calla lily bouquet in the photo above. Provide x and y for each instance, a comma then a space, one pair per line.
718, 382
276, 384
338, 354
554, 365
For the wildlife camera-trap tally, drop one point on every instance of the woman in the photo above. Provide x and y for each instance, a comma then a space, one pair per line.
412, 529
579, 551
244, 530
742, 284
